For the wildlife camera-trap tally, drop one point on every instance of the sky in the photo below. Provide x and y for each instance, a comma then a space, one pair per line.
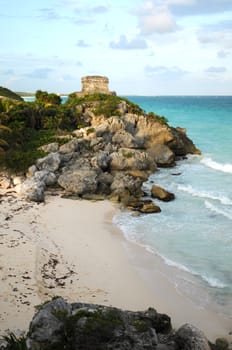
154, 47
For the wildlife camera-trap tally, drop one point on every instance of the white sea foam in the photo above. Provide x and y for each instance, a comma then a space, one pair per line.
175, 264
214, 282
217, 210
225, 168
202, 194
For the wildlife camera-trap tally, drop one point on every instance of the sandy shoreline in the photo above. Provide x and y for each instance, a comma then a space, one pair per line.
71, 248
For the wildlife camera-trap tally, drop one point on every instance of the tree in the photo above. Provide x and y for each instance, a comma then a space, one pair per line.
45, 97
3, 142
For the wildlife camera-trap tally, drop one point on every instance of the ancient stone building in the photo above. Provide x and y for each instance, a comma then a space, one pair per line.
95, 84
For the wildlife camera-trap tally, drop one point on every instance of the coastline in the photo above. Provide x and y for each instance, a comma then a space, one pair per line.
72, 249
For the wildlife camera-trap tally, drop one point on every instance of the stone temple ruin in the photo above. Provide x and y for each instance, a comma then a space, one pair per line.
95, 84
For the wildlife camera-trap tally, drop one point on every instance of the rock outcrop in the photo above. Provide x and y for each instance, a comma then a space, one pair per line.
112, 156
59, 325
161, 194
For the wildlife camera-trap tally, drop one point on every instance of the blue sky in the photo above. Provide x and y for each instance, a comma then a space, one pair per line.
156, 47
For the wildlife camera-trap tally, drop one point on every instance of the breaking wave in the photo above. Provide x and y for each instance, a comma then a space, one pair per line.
225, 168
217, 210
203, 194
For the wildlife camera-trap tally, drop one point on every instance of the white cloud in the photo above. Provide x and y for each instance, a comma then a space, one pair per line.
215, 70
221, 39
82, 43
39, 73
99, 9
223, 54
198, 7
180, 2
166, 72
125, 44
156, 19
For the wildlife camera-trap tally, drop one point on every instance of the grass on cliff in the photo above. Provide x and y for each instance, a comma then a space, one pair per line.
103, 104
9, 94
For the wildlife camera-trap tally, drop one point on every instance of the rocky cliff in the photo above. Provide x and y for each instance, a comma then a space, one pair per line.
110, 157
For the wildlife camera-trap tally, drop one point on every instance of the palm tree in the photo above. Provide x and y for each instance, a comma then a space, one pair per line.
3, 142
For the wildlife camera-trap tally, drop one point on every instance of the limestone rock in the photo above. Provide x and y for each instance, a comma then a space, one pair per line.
162, 155
104, 182
59, 325
189, 337
80, 181
101, 160
115, 124
18, 180
124, 184
47, 326
162, 194
181, 144
33, 190
5, 182
130, 159
50, 163
71, 146
124, 139
102, 129
149, 207
31, 171
50, 148
51, 179
123, 109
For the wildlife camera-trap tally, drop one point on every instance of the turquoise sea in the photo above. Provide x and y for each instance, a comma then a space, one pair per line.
194, 232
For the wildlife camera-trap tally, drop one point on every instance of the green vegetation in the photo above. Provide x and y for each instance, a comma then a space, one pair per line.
127, 154
39, 306
43, 96
141, 326
103, 104
9, 94
32, 125
90, 131
25, 126
96, 326
158, 118
3, 143
14, 343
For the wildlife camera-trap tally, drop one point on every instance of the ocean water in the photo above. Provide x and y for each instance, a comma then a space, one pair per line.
194, 232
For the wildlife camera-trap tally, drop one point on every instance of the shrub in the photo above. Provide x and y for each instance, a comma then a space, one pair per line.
158, 118
14, 343
127, 154
90, 131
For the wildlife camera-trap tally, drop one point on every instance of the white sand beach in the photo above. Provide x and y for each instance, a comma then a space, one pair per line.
72, 249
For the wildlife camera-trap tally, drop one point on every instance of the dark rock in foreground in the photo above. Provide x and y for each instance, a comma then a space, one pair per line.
59, 325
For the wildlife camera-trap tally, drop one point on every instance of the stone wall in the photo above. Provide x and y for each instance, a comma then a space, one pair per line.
95, 84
